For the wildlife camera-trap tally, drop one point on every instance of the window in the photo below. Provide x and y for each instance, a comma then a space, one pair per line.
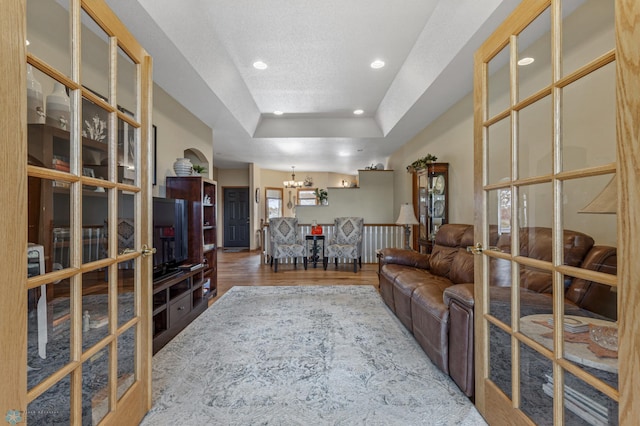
307, 197
273, 203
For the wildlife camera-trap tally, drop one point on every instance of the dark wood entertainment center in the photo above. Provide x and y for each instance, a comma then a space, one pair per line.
178, 299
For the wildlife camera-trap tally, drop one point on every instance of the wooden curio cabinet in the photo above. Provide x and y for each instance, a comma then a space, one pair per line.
201, 194
431, 202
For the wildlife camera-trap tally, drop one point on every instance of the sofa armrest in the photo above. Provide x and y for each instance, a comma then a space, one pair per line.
462, 293
404, 257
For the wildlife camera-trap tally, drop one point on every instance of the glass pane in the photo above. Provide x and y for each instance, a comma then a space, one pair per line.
535, 208
48, 221
126, 221
536, 386
500, 359
498, 84
95, 153
95, 387
95, 307
95, 57
49, 33
589, 120
127, 80
534, 56
589, 206
127, 149
535, 139
95, 210
584, 404
48, 331
591, 342
48, 115
126, 360
126, 293
423, 188
587, 32
499, 151
53, 407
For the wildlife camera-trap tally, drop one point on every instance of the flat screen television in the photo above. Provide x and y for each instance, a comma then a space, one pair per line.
170, 235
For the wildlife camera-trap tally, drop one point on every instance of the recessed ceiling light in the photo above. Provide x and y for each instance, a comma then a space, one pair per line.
259, 65
358, 112
377, 64
28, 43
525, 61
278, 112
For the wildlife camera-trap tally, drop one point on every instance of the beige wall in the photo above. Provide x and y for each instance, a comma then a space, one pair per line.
177, 131
450, 138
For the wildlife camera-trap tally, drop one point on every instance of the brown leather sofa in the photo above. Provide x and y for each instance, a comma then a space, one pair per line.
432, 295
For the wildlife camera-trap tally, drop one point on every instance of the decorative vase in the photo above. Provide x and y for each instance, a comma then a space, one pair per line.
35, 105
182, 167
58, 110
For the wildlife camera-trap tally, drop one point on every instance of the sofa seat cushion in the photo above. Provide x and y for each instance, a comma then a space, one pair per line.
430, 318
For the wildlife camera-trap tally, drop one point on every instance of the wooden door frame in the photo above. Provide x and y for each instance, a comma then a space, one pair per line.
13, 222
627, 12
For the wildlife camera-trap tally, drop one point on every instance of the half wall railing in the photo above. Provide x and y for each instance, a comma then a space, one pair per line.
375, 237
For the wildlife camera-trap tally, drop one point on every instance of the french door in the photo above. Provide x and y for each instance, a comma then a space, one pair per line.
75, 307
553, 121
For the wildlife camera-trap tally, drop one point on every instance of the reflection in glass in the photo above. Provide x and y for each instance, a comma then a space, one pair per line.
94, 220
95, 387
596, 221
498, 84
126, 221
126, 360
95, 56
53, 407
127, 152
95, 307
536, 386
48, 331
584, 404
534, 42
587, 32
47, 41
127, 79
500, 359
589, 120
126, 291
534, 139
48, 115
535, 209
48, 221
499, 151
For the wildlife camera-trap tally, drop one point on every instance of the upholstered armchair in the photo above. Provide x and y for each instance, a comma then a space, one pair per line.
285, 241
346, 241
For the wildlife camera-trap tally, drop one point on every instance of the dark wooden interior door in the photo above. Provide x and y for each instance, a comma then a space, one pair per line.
236, 217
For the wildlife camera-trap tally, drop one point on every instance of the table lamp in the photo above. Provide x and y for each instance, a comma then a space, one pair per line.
407, 218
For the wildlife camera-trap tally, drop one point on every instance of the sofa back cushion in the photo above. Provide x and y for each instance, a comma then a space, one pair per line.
592, 296
537, 243
449, 240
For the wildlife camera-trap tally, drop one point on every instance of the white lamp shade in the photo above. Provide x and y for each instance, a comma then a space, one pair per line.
406, 216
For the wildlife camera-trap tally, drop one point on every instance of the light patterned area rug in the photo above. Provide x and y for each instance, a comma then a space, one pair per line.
301, 356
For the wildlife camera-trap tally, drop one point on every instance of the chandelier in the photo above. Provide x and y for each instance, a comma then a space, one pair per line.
293, 183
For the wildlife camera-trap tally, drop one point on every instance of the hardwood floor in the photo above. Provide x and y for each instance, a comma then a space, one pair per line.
247, 269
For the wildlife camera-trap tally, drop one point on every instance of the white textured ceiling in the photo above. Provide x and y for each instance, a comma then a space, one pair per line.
318, 54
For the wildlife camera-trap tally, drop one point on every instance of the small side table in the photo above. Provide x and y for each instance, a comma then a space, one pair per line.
316, 253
